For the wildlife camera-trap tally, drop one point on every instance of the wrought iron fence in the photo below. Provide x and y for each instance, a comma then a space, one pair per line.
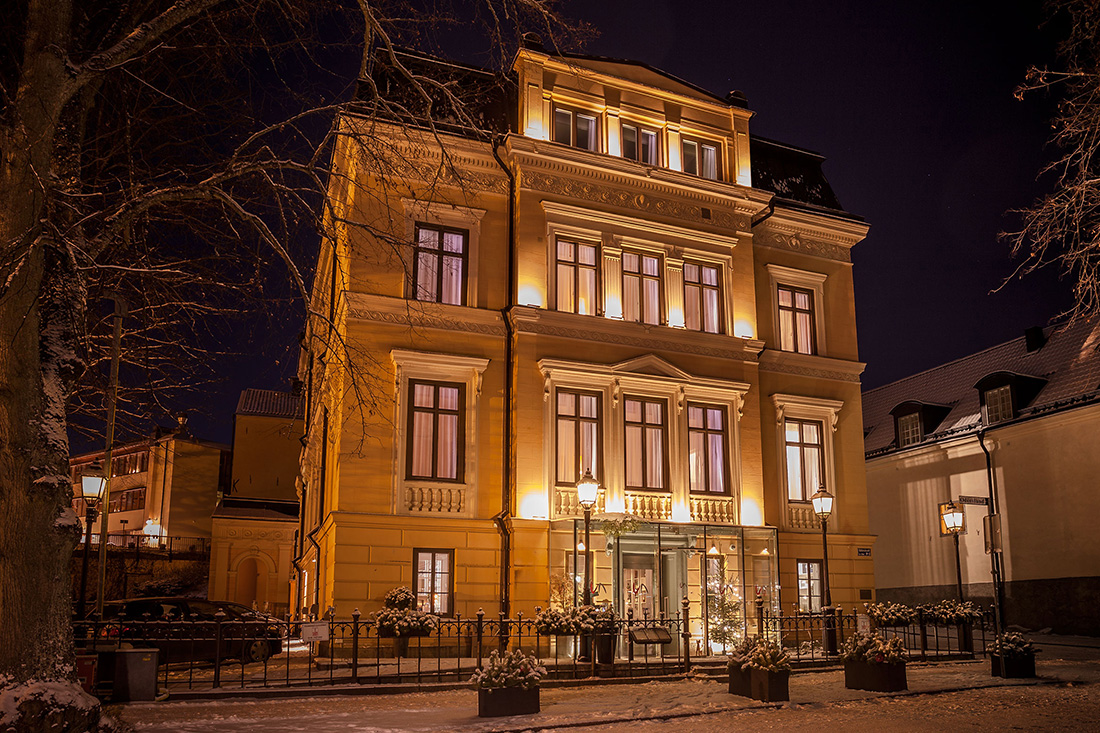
154, 543
223, 652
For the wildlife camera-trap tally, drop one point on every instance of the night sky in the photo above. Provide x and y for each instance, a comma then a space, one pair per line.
912, 105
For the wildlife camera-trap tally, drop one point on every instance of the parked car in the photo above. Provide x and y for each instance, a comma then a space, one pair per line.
185, 629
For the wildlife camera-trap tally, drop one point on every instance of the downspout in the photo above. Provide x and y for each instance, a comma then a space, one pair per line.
501, 519
995, 557
763, 217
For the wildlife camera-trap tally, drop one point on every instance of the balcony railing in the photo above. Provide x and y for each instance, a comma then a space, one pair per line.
153, 543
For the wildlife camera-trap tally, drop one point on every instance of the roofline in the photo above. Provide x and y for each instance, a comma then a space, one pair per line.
648, 67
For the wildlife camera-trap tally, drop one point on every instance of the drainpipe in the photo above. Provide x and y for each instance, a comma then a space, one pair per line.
767, 214
501, 519
994, 557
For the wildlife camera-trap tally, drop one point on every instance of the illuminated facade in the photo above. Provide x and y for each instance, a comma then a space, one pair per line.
626, 282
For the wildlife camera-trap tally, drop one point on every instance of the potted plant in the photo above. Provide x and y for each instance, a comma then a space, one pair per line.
551, 622
399, 619
887, 615
598, 623
873, 663
770, 672
739, 672
1012, 656
508, 684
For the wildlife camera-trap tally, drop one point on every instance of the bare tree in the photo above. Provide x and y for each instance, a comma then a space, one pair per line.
1062, 229
127, 164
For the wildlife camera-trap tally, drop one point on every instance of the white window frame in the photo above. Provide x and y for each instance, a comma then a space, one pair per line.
450, 216
1003, 389
780, 276
800, 407
910, 418
434, 367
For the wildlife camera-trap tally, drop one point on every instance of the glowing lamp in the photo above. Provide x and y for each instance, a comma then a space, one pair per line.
952, 518
823, 503
587, 490
91, 487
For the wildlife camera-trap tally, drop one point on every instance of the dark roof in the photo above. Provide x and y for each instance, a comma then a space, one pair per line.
234, 508
1069, 361
794, 175
270, 403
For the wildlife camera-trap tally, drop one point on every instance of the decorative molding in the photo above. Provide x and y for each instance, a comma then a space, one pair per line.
602, 219
417, 314
816, 367
796, 243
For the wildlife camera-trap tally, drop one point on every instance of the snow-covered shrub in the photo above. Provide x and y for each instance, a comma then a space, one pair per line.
1012, 646
768, 656
890, 614
595, 618
741, 651
399, 616
557, 623
400, 599
873, 649
511, 669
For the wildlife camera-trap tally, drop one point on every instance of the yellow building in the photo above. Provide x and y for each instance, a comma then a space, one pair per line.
251, 554
616, 277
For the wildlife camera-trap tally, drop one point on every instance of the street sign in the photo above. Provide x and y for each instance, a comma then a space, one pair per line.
863, 623
976, 500
863, 552
315, 631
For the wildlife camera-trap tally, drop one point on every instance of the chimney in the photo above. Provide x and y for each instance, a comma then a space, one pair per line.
1034, 338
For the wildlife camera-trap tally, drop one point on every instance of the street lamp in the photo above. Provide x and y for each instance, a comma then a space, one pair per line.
587, 490
953, 522
823, 507
91, 491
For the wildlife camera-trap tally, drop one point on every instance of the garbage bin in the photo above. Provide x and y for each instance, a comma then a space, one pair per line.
86, 672
135, 677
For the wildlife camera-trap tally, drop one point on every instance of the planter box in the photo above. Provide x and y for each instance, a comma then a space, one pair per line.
605, 647
740, 683
770, 686
874, 677
1014, 667
498, 701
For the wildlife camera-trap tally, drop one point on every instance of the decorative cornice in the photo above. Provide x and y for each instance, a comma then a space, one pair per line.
595, 217
401, 312
817, 367
797, 243
650, 338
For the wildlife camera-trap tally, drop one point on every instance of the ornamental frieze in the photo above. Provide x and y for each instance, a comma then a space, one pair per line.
795, 243
779, 367
636, 341
589, 191
418, 320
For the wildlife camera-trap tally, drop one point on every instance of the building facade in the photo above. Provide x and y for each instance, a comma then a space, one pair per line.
615, 278
1017, 423
254, 523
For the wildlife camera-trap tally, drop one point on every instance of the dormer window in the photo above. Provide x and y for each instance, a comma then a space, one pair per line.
909, 432
1004, 394
998, 404
575, 128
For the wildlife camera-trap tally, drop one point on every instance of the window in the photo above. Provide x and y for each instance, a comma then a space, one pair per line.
646, 438
434, 575
809, 586
707, 449
439, 268
909, 432
436, 445
578, 431
700, 159
641, 288
805, 458
127, 501
639, 144
796, 320
577, 129
577, 277
701, 297
998, 404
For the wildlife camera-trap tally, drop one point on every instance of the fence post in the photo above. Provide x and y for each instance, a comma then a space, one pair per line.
355, 645
480, 634
759, 614
923, 635
502, 634
685, 632
629, 625
219, 618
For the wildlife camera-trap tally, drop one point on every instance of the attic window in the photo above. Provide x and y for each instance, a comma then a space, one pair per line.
909, 432
575, 128
998, 404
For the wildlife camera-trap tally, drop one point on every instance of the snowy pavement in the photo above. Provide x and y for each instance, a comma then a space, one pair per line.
685, 704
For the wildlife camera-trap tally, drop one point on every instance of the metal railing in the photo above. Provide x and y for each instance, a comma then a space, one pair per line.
138, 542
199, 654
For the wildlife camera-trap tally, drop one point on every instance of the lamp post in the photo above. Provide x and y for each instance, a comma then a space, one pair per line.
823, 507
121, 310
953, 522
91, 489
587, 490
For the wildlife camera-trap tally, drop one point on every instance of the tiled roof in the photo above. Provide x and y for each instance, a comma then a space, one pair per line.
1069, 361
271, 509
791, 173
270, 403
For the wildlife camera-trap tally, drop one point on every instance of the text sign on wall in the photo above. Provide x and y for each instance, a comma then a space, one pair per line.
976, 500
863, 623
863, 552
316, 631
